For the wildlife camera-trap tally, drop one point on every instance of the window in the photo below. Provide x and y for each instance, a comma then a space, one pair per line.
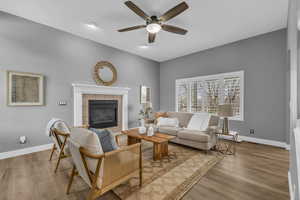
205, 93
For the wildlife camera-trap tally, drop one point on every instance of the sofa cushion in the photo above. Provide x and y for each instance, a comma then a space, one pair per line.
194, 135
168, 129
183, 117
199, 121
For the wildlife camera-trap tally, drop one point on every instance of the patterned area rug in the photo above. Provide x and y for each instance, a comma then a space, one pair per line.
171, 178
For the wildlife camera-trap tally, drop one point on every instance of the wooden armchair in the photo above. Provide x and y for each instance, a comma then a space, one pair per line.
59, 143
59, 139
103, 172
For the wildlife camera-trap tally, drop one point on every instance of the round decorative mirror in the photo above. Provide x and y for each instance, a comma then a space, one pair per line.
105, 73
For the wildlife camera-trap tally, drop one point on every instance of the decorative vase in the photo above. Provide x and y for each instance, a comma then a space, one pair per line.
150, 131
142, 122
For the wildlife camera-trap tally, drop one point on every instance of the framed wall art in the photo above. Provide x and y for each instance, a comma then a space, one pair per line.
145, 94
25, 89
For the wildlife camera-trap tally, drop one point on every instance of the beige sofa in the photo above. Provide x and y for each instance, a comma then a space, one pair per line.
204, 140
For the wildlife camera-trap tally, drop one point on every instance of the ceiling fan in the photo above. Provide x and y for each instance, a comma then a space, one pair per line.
154, 24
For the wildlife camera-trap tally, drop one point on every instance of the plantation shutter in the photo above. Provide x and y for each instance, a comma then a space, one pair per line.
213, 95
182, 97
232, 89
198, 96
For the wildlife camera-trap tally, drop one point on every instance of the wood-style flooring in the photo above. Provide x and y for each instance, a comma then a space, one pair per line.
256, 172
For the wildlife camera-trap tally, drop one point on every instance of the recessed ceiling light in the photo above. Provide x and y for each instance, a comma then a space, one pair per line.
92, 26
144, 47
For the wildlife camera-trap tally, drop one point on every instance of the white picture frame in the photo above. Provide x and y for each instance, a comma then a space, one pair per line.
25, 89
145, 94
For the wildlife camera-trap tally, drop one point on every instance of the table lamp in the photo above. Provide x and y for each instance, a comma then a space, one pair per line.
225, 111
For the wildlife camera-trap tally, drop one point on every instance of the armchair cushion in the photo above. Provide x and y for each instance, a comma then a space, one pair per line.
87, 139
194, 135
106, 138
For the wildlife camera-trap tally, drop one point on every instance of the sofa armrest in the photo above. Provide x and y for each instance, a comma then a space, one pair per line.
213, 128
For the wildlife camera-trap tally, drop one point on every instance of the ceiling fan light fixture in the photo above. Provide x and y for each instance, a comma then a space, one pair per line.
153, 28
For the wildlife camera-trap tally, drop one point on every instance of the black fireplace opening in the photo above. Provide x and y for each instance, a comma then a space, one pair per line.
103, 113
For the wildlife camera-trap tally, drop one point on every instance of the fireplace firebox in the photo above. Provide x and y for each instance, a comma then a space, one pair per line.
103, 113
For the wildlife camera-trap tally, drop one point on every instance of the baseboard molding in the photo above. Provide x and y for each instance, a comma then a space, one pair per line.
291, 189
266, 142
259, 141
28, 150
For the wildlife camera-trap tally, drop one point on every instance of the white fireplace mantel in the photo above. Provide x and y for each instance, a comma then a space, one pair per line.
82, 88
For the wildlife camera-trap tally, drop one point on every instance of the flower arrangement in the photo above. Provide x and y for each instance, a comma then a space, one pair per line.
145, 110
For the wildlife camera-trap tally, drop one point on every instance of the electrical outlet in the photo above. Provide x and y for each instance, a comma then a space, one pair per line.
22, 139
251, 131
62, 103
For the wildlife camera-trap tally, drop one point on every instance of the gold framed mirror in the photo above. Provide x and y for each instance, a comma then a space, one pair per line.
105, 73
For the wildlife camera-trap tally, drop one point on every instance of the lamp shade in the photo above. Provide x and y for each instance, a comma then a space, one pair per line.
225, 110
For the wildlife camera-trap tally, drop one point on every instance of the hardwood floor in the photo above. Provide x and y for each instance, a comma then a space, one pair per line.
256, 172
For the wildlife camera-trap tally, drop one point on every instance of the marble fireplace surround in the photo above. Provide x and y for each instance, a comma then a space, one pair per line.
82, 92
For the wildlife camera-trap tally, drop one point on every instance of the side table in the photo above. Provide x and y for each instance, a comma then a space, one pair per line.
228, 148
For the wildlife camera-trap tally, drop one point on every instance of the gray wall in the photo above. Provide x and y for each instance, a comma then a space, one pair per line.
263, 58
63, 59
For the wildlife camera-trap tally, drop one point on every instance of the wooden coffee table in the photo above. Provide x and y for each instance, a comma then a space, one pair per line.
160, 141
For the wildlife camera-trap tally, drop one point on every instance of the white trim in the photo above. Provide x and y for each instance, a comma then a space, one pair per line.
264, 141
220, 76
213, 76
83, 88
28, 150
242, 138
291, 188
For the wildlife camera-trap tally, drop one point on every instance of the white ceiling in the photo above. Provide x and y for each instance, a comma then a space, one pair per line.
210, 23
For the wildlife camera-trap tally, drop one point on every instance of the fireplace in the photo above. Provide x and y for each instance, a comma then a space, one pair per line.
103, 113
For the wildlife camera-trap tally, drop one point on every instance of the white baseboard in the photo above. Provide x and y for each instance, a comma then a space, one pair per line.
24, 151
264, 141
258, 141
291, 189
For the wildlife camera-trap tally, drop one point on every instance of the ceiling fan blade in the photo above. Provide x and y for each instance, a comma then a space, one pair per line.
151, 37
132, 28
137, 10
174, 11
174, 29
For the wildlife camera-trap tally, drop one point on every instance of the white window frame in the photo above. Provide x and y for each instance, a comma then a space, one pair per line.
220, 76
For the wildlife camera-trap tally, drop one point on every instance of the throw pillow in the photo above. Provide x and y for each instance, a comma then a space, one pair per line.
158, 115
107, 139
199, 121
162, 121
